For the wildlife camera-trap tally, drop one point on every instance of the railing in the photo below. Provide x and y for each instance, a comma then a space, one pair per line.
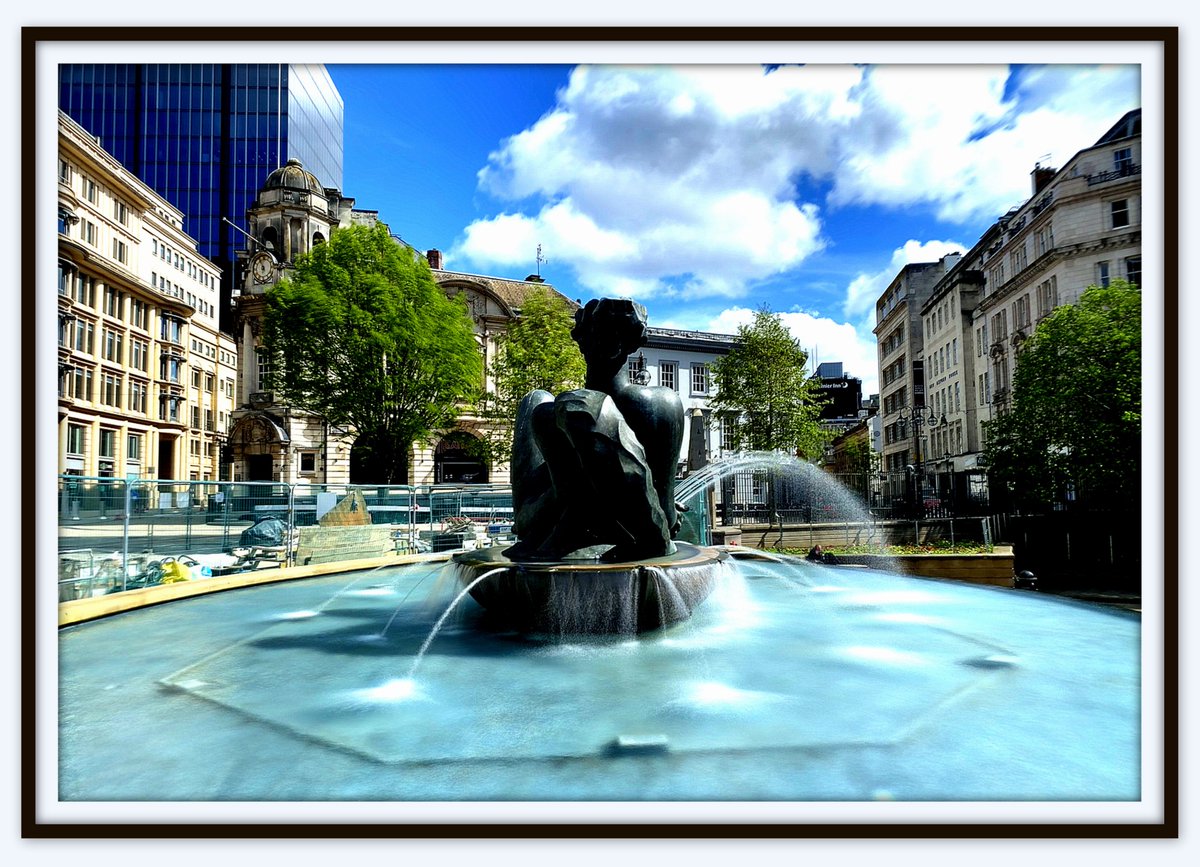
763, 496
1123, 172
118, 534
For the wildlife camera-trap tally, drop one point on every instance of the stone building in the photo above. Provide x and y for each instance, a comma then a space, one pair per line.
900, 337
270, 440
949, 333
1081, 227
682, 360
145, 377
492, 302
950, 364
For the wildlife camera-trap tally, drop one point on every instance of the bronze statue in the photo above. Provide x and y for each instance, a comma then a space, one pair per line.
594, 468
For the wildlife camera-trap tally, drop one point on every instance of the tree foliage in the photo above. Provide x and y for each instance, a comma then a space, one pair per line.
1075, 423
362, 334
535, 351
763, 383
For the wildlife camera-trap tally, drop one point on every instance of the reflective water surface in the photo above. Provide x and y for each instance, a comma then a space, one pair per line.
792, 681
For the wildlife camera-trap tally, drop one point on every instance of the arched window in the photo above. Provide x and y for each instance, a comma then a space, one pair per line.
456, 460
270, 238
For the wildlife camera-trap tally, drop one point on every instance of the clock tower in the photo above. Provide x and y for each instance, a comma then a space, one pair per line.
270, 441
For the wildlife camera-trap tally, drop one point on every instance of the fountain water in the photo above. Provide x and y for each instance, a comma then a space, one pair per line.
579, 672
792, 681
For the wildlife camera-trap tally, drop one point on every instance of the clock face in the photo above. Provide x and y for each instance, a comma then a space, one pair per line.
262, 266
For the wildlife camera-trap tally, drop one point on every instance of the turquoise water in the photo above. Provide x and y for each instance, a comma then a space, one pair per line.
792, 681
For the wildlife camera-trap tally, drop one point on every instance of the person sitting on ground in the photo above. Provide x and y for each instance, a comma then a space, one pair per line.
815, 554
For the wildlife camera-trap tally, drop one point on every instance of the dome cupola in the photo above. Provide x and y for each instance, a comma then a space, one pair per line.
293, 176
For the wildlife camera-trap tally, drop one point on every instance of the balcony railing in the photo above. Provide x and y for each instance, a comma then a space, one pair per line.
1123, 172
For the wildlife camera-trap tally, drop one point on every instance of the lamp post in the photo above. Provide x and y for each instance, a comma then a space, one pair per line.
949, 483
918, 421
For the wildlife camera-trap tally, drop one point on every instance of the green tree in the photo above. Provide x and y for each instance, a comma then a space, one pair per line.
535, 351
1076, 419
362, 334
763, 384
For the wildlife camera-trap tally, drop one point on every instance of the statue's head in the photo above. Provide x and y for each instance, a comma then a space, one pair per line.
608, 330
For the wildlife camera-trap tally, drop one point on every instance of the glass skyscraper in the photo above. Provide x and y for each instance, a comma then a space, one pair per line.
205, 136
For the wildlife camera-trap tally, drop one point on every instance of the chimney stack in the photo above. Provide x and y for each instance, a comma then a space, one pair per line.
434, 257
1041, 177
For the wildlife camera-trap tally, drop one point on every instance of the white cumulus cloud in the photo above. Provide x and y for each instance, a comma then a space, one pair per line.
865, 289
697, 181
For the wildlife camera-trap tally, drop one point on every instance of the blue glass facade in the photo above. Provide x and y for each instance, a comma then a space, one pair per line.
205, 136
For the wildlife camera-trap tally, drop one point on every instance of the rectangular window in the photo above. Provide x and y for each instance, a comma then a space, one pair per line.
1043, 240
64, 171
120, 251
85, 291
726, 433
196, 417
114, 342
108, 443
1047, 296
89, 190
208, 382
89, 232
171, 368
1123, 160
699, 379
137, 397
171, 329
120, 212
110, 390
139, 353
138, 313
666, 374
1021, 312
75, 439
133, 448
83, 383
85, 337
308, 462
996, 277
1133, 270
1120, 213
1017, 259
263, 363
1102, 276
195, 378
168, 408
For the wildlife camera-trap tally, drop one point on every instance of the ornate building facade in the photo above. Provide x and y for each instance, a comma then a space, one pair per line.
145, 376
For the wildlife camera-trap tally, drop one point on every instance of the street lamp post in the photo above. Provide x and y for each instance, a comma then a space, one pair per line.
917, 420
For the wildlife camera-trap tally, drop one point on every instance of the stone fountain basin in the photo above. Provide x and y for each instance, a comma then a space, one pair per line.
789, 682
590, 596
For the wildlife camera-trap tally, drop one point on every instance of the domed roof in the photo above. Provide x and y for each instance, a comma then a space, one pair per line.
293, 176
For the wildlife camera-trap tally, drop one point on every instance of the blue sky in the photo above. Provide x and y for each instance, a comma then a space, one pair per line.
706, 192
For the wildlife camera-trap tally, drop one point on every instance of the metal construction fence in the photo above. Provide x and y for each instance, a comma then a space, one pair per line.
118, 534
121, 534
767, 496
